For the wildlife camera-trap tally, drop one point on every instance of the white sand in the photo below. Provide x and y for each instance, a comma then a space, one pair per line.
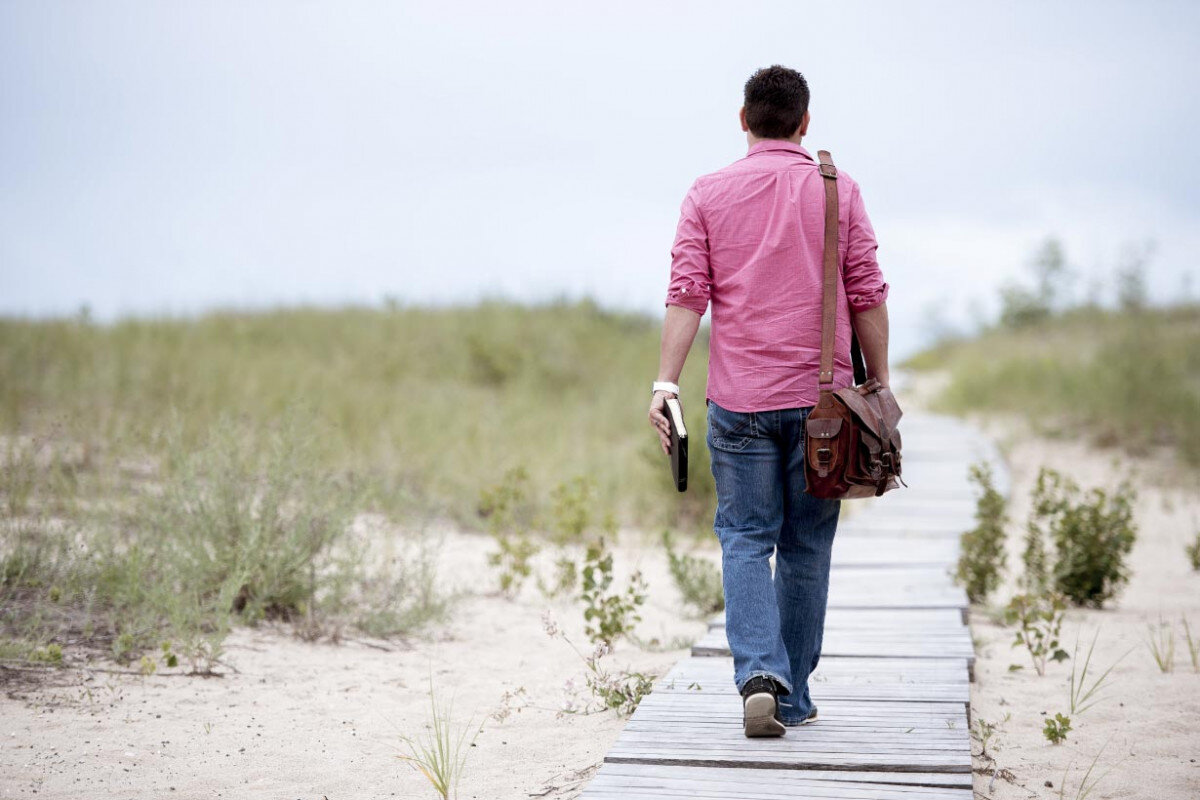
312, 720
322, 720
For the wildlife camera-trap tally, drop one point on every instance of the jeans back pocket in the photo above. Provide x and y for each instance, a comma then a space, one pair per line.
730, 430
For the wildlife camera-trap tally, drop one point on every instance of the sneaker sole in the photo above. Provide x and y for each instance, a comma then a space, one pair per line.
759, 716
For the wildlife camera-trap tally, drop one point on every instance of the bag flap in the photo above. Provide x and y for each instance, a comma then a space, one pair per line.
877, 411
889, 409
822, 427
861, 409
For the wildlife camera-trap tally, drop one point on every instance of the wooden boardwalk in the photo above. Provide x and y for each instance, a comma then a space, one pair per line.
893, 683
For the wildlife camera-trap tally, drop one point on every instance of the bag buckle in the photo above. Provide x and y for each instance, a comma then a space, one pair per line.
824, 458
828, 171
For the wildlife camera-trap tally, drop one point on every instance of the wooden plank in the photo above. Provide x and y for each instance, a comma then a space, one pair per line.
651, 780
918, 619
858, 644
907, 526
842, 669
862, 551
898, 736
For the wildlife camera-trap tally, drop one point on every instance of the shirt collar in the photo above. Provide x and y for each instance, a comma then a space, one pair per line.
778, 144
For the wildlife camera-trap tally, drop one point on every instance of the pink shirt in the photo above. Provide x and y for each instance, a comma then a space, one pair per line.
750, 241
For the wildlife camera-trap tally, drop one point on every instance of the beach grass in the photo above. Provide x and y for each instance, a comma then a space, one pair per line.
427, 407
1128, 378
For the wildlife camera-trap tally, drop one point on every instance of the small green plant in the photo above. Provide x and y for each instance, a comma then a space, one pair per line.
620, 691
565, 579
1082, 695
571, 513
1161, 641
1035, 579
1056, 728
1193, 551
440, 753
50, 654
502, 506
569, 519
608, 615
698, 580
1193, 645
122, 645
982, 548
18, 476
513, 700
984, 731
1040, 618
513, 560
1092, 536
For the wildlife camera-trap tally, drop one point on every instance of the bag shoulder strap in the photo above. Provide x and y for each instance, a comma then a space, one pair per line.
829, 283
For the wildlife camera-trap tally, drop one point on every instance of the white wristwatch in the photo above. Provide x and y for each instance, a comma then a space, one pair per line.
664, 386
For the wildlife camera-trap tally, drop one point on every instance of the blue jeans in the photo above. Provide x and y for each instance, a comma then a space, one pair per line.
774, 625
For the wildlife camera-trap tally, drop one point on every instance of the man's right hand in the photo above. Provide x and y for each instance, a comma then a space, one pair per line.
658, 404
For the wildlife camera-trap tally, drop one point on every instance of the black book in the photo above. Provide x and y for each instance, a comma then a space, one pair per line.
679, 443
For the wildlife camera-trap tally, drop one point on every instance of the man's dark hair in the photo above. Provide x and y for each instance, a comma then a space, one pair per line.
776, 99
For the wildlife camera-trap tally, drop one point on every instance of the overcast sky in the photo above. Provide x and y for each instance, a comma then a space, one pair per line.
170, 157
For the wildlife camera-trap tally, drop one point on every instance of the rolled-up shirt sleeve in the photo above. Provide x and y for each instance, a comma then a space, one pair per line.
691, 278
865, 287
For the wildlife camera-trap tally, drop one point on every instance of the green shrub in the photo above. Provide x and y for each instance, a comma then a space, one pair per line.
1092, 535
242, 527
1193, 552
620, 690
698, 580
608, 615
571, 513
505, 507
50, 654
1035, 579
982, 556
255, 528
569, 519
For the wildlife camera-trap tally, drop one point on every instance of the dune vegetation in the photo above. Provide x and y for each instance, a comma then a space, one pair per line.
1129, 379
1120, 373
164, 478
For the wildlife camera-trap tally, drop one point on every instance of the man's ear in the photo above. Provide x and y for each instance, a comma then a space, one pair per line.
804, 124
742, 117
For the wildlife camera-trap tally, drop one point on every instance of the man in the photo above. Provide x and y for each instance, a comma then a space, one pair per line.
750, 241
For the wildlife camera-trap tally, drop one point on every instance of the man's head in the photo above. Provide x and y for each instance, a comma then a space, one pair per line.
776, 104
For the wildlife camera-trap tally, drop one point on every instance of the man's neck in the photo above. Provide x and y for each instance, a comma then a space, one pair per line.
752, 140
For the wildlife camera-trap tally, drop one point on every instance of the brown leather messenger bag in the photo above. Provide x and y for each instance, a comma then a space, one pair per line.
852, 444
